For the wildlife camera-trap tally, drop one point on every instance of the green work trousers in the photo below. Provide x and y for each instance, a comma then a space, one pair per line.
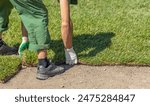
34, 16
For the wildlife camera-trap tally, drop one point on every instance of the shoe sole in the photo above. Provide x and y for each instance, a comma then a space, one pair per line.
44, 77
12, 53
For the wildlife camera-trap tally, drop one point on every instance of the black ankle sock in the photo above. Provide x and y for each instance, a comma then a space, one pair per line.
44, 62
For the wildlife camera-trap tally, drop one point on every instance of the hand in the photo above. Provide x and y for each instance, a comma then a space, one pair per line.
71, 57
22, 47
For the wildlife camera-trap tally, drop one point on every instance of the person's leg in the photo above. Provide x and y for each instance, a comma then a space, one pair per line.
34, 16
5, 9
67, 32
42, 54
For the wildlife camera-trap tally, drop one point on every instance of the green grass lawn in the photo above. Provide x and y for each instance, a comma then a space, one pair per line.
9, 66
105, 32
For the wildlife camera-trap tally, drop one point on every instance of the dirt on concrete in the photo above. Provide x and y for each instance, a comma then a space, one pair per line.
85, 77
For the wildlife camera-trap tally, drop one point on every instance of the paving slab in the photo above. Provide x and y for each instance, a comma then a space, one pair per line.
84, 77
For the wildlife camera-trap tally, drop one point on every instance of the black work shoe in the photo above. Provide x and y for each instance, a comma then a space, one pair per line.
52, 70
6, 50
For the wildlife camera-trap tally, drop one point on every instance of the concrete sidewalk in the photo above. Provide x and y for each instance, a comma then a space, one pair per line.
81, 76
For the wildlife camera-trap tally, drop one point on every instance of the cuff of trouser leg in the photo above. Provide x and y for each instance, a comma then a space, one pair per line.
3, 29
34, 47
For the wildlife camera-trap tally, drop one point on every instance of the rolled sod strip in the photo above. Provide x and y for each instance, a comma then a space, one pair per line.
9, 67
